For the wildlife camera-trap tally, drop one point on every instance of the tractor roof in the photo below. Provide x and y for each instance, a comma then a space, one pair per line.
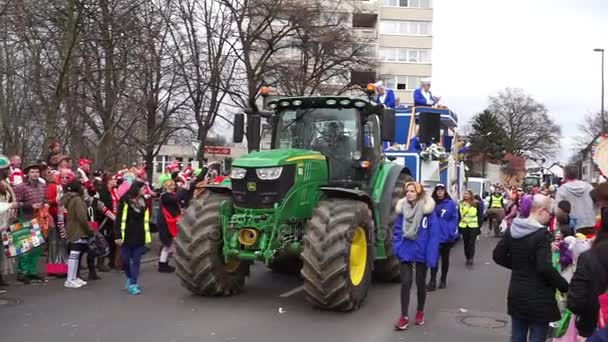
322, 102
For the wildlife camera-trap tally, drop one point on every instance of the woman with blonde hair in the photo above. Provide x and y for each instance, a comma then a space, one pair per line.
416, 245
470, 225
170, 213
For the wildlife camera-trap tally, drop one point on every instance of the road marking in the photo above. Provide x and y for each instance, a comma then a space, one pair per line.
292, 292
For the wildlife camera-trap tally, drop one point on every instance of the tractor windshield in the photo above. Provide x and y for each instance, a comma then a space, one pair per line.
331, 131
316, 127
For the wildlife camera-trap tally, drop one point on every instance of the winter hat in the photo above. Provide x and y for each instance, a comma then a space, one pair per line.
4, 162
74, 186
84, 161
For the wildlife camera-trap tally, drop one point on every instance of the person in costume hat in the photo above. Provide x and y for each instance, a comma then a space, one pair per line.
423, 95
385, 96
15, 175
7, 206
54, 149
84, 171
32, 197
167, 223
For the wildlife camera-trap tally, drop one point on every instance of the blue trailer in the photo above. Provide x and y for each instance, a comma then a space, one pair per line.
435, 159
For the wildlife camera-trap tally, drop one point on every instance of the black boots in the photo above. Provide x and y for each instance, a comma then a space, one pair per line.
469, 263
163, 267
432, 286
102, 266
443, 284
92, 269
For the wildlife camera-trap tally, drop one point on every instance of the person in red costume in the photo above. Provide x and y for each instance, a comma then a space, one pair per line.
15, 176
58, 252
83, 171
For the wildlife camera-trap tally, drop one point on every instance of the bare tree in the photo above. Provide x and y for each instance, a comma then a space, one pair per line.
261, 30
529, 128
201, 31
323, 51
157, 91
590, 129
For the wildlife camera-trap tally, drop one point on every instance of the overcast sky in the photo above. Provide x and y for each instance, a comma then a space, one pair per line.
542, 46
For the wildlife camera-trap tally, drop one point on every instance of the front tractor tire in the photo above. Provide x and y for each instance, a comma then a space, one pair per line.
337, 258
200, 264
387, 270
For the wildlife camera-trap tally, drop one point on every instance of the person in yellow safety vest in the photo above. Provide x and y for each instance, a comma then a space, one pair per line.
469, 226
496, 211
132, 231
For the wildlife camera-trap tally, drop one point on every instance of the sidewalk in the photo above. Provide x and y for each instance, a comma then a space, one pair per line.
151, 256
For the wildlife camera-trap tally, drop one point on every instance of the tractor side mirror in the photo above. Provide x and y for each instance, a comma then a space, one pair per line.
254, 123
388, 124
239, 127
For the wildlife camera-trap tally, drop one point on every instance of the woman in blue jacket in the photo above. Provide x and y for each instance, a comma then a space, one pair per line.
416, 244
447, 218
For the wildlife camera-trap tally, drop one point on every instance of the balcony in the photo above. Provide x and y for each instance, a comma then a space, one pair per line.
366, 34
365, 20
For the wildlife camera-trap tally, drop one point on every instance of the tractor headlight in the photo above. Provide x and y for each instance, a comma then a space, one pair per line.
269, 173
237, 173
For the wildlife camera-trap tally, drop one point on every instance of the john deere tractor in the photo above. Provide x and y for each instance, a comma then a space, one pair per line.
319, 202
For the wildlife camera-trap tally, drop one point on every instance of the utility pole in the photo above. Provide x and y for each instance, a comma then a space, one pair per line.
602, 113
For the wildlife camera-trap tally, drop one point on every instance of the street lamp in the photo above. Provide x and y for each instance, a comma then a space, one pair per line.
603, 119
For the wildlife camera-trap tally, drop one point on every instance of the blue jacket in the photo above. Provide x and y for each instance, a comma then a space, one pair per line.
425, 248
389, 99
415, 145
420, 100
447, 215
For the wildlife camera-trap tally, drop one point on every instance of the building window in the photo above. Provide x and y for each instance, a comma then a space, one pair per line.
402, 27
402, 82
408, 3
405, 55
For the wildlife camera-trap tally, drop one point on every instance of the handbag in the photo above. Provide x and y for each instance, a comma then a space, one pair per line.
562, 326
98, 246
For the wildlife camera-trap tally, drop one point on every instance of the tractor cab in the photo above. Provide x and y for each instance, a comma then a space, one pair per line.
346, 131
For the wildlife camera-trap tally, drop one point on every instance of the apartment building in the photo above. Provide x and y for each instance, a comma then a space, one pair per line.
400, 32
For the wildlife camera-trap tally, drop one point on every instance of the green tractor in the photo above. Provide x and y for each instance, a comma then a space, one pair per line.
319, 202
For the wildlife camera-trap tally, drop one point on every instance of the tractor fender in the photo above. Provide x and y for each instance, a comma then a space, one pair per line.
348, 193
385, 204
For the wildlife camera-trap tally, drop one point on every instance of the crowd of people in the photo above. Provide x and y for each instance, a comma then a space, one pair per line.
552, 239
104, 215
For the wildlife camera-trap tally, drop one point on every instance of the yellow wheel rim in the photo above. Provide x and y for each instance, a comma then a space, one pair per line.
358, 256
232, 265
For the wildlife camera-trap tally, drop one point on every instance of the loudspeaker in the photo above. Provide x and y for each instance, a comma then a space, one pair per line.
429, 129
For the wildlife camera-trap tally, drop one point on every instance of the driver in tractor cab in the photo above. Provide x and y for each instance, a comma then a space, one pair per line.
337, 146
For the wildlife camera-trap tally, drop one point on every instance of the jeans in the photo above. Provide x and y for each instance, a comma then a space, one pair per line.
521, 328
131, 261
444, 253
469, 237
407, 275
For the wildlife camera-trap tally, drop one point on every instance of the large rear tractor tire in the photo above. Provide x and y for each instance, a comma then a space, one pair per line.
337, 258
200, 264
387, 270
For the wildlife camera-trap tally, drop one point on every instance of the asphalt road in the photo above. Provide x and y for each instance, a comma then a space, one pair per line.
271, 309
